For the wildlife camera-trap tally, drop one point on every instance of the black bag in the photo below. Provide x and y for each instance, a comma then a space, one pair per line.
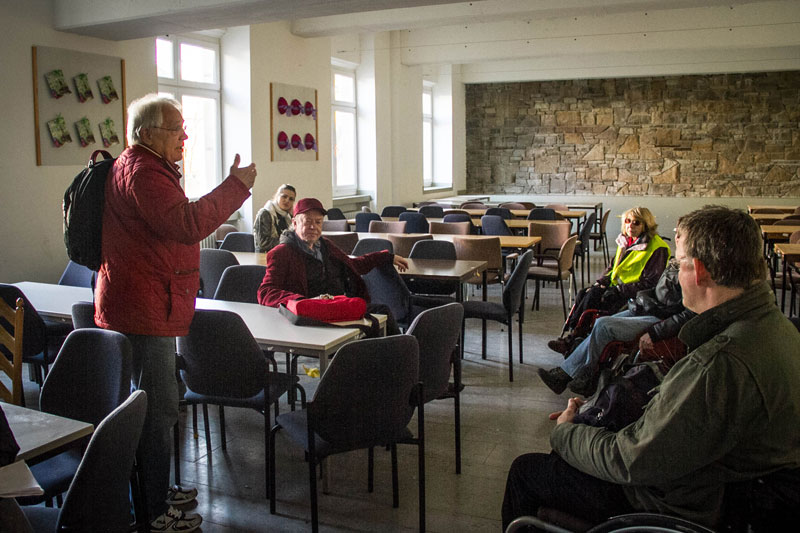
83, 206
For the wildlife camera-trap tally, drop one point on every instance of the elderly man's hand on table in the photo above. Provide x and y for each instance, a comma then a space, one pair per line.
400, 263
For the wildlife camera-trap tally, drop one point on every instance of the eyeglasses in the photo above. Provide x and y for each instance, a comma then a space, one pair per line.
173, 130
633, 222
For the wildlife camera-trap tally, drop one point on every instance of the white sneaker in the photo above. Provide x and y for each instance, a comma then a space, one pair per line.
175, 521
178, 495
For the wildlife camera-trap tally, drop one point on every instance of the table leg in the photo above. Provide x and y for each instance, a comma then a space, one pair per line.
783, 286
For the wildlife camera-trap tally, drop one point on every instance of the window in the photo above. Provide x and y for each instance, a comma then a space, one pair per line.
345, 139
427, 135
188, 70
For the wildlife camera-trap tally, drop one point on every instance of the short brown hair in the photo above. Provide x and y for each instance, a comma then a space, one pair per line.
643, 214
728, 243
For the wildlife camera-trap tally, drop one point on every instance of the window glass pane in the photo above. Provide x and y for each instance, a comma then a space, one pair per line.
344, 88
197, 63
164, 59
427, 152
345, 148
427, 103
200, 158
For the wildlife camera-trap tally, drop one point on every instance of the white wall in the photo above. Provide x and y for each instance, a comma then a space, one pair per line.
30, 195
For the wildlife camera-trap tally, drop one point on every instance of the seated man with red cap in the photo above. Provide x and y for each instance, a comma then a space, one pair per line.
305, 264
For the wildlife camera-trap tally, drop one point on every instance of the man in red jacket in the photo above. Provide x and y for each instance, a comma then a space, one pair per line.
306, 264
147, 283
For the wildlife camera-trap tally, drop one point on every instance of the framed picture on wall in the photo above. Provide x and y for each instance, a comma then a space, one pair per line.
294, 127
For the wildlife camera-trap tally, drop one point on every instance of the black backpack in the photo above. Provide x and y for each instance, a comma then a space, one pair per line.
83, 206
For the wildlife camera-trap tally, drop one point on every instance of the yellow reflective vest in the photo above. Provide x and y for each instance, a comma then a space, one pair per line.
629, 269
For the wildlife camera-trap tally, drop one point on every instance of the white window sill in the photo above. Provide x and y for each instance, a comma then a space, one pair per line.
438, 188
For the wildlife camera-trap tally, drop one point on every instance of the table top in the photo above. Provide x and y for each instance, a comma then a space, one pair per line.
770, 231
512, 241
456, 201
270, 330
523, 213
788, 209
788, 251
41, 434
768, 217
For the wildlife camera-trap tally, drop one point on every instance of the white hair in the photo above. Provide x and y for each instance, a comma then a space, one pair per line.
147, 112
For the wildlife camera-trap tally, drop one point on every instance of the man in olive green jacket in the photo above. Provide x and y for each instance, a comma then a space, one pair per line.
729, 411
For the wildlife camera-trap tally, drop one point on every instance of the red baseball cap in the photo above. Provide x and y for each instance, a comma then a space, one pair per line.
308, 204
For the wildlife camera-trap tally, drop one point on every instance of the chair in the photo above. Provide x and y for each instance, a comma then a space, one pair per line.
601, 238
513, 298
557, 207
222, 231
502, 212
402, 244
11, 335
437, 331
432, 211
76, 275
767, 210
432, 249
393, 210
383, 226
385, 286
335, 225
238, 241
366, 246
482, 249
102, 480
212, 264
240, 283
366, 398
494, 225
415, 222
541, 213
472, 205
517, 205
344, 241
222, 364
553, 234
559, 272
584, 246
89, 379
455, 212
334, 213
41, 343
461, 217
363, 220
450, 228
83, 315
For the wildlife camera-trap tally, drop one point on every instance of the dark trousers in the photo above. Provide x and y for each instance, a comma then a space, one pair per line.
391, 323
545, 480
592, 298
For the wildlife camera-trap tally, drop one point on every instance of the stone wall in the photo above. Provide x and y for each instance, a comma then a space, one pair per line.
728, 135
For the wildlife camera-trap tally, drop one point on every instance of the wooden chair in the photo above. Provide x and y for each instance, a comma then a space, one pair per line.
449, 228
335, 225
11, 344
517, 205
553, 233
404, 243
383, 226
344, 241
482, 249
222, 231
472, 205
562, 270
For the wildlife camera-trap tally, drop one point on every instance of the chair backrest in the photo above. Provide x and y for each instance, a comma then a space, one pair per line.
480, 249
334, 213
212, 264
220, 356
338, 224
90, 377
432, 211
76, 275
385, 286
240, 283
363, 397
102, 480
494, 225
527, 205
516, 205
366, 246
11, 334
472, 205
786, 222
796, 211
515, 286
33, 331
553, 234
455, 212
344, 241
502, 212
794, 238
363, 220
403, 244
83, 315
433, 249
450, 228
791, 217
567, 253
393, 210
223, 230
238, 241
415, 222
383, 226
461, 217
768, 210
557, 207
542, 213
585, 235
604, 221
437, 331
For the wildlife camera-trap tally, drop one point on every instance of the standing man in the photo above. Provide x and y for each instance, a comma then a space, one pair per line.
147, 283
728, 411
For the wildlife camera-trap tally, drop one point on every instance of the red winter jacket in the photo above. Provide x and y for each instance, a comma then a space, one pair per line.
286, 277
149, 277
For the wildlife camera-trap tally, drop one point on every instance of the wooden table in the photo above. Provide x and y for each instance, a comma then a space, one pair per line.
513, 241
768, 218
42, 435
789, 253
788, 209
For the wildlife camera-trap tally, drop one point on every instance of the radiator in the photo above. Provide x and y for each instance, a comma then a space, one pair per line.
209, 242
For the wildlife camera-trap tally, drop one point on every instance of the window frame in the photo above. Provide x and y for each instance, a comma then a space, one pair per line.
350, 108
427, 118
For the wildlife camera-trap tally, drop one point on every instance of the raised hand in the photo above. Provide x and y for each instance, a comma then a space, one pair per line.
246, 175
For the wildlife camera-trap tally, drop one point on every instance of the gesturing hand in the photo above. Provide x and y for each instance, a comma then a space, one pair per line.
246, 175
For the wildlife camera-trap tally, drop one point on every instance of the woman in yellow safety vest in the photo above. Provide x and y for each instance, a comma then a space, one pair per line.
640, 259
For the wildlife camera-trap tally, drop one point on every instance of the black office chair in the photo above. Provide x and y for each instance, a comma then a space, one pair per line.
366, 246
432, 211
432, 249
334, 213
238, 241
393, 210
102, 479
363, 220
542, 213
240, 283
502, 212
494, 225
83, 315
366, 398
415, 222
212, 264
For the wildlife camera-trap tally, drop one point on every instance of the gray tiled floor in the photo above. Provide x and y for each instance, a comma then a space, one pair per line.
500, 420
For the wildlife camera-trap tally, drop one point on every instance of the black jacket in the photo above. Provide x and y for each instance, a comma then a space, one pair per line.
665, 301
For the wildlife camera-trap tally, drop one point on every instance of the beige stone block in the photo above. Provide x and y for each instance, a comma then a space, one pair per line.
649, 154
609, 134
573, 138
610, 174
548, 120
547, 164
588, 119
630, 146
702, 145
568, 118
730, 190
627, 176
604, 119
726, 166
668, 137
594, 174
777, 174
599, 188
670, 174
595, 154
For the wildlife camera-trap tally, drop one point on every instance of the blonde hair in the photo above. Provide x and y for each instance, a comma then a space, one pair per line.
643, 214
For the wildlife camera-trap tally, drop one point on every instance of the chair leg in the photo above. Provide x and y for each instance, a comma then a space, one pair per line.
483, 338
194, 421
395, 483
370, 469
521, 320
421, 459
312, 478
271, 496
208, 433
457, 409
222, 427
563, 302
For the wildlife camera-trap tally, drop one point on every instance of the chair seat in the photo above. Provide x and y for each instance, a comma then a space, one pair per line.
42, 518
546, 273
487, 310
278, 384
54, 475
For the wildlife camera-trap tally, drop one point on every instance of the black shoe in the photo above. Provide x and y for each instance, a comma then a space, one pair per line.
561, 345
555, 378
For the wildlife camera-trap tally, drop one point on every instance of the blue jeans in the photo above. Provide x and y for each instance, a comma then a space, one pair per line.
154, 373
582, 363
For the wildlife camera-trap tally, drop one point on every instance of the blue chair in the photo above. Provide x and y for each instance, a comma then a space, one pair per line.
393, 210
238, 241
363, 220
213, 263
542, 213
494, 225
462, 217
76, 275
432, 211
240, 283
415, 222
83, 315
503, 212
334, 213
366, 246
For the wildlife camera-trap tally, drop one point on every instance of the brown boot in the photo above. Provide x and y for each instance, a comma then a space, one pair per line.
561, 345
555, 378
